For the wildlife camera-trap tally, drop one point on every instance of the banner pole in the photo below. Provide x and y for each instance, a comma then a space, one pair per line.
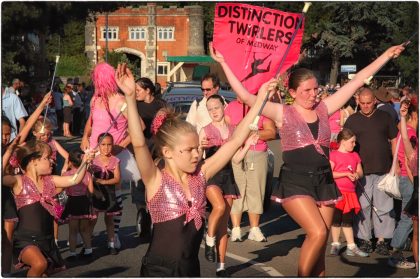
254, 125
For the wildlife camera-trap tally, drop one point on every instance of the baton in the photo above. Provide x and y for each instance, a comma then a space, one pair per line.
101, 139
42, 131
405, 44
366, 196
254, 125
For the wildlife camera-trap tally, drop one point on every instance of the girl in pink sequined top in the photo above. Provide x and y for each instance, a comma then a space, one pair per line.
176, 194
106, 175
221, 189
34, 191
306, 189
78, 208
11, 166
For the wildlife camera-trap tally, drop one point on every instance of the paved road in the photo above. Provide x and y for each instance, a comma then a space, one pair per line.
276, 258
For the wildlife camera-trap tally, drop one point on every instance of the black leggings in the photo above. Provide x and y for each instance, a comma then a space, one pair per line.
343, 220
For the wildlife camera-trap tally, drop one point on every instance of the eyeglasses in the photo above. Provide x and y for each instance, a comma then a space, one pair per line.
206, 89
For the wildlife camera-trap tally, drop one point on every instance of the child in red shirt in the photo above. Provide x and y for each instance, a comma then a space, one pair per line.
347, 169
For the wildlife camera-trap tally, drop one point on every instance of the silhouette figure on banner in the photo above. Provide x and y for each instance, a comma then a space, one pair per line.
255, 69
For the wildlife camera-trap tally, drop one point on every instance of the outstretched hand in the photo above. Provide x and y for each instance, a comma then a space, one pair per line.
395, 51
125, 80
217, 56
47, 99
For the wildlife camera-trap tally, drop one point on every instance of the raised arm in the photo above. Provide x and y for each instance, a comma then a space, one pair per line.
68, 181
240, 154
34, 117
335, 101
216, 162
271, 110
408, 148
149, 172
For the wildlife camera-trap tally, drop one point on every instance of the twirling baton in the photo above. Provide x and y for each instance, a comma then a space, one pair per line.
101, 139
405, 44
366, 196
254, 125
57, 58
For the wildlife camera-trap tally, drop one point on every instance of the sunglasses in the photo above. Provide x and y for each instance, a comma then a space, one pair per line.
206, 89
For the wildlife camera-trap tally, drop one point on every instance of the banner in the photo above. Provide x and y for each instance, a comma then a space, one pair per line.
253, 41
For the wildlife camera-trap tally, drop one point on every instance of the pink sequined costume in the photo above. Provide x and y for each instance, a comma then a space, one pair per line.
306, 170
178, 227
104, 199
78, 205
36, 213
224, 179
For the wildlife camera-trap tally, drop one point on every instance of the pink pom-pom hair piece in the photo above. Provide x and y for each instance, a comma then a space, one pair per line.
157, 122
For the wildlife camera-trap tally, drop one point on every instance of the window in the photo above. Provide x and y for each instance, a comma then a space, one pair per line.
136, 33
112, 33
166, 33
162, 68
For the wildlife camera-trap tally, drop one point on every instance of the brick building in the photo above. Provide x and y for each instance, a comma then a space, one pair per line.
151, 33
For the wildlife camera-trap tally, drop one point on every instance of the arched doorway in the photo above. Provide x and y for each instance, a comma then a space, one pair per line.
136, 53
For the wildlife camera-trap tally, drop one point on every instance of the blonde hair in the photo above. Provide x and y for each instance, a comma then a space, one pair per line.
40, 122
168, 132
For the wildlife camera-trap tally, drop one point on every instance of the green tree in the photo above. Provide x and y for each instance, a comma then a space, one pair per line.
362, 30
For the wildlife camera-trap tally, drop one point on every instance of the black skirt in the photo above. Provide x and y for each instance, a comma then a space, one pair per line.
77, 207
8, 205
225, 180
295, 182
68, 115
412, 207
168, 258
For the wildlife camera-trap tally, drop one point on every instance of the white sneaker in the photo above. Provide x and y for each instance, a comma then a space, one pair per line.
117, 242
255, 234
236, 234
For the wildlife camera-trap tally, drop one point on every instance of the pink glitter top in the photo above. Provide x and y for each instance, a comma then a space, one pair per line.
30, 194
80, 189
295, 132
101, 120
213, 134
170, 201
98, 166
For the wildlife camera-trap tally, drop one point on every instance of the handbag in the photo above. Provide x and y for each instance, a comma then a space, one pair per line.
390, 183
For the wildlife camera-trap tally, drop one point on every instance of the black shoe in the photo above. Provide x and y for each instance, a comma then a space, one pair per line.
382, 249
222, 273
113, 251
365, 246
210, 253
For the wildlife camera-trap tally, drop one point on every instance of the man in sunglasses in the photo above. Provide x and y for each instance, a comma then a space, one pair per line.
198, 114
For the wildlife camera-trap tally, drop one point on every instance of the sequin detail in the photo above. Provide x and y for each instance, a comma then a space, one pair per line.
30, 194
170, 202
98, 166
80, 189
295, 132
213, 135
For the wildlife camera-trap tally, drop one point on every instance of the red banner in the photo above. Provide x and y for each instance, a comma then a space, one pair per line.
254, 39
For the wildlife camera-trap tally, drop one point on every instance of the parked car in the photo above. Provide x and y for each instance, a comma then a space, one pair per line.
181, 95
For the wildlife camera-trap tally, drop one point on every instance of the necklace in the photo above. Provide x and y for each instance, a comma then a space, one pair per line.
368, 114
